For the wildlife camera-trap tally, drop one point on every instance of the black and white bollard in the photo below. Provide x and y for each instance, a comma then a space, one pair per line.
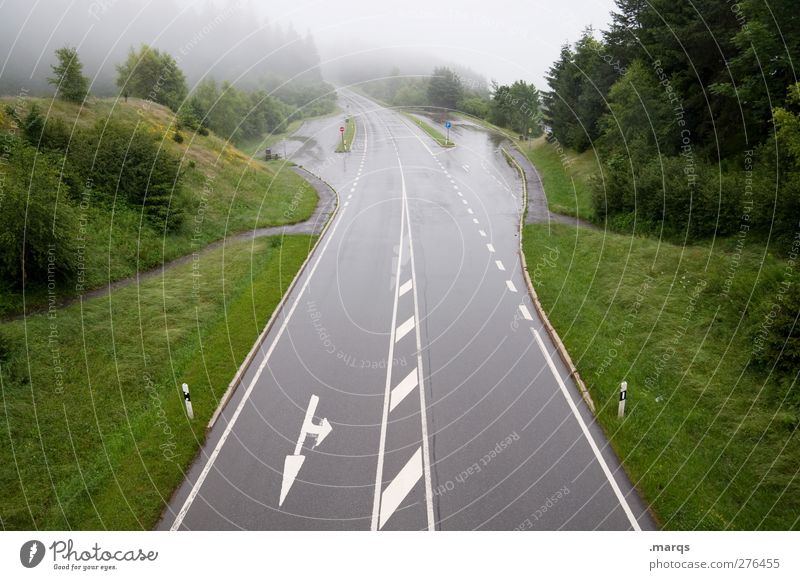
623, 395
188, 399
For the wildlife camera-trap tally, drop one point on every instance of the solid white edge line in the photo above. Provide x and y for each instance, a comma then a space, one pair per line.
229, 427
600, 459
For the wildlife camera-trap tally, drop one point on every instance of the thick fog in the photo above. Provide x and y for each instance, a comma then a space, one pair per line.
249, 41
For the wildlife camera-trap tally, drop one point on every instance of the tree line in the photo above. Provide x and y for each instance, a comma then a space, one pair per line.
689, 108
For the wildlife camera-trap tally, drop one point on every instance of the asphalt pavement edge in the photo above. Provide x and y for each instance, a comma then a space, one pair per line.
562, 350
237, 378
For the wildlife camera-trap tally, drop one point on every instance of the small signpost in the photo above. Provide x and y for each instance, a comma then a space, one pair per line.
188, 399
530, 130
341, 132
447, 125
623, 395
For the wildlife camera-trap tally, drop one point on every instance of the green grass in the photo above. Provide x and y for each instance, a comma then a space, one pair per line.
707, 438
565, 176
100, 437
227, 192
433, 133
349, 135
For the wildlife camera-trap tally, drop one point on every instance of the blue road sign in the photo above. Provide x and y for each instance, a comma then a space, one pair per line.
448, 124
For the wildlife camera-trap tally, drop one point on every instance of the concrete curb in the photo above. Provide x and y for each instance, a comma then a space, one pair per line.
562, 350
237, 378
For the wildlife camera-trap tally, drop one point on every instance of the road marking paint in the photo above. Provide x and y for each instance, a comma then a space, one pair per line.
404, 329
352, 189
229, 427
350, 196
405, 287
401, 486
511, 286
452, 181
465, 202
466, 168
482, 233
525, 312
346, 203
490, 247
595, 449
469, 211
460, 194
403, 389
455, 187
475, 221
500, 265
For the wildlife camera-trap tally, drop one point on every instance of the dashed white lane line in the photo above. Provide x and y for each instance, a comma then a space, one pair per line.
482, 233
469, 211
405, 386
500, 265
346, 203
475, 221
405, 287
352, 189
490, 247
350, 196
396, 492
404, 329
455, 187
460, 194
595, 449
511, 286
465, 202
525, 312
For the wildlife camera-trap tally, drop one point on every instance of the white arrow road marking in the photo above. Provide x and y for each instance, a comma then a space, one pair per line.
405, 287
511, 286
525, 312
404, 329
404, 388
399, 488
293, 463
596, 450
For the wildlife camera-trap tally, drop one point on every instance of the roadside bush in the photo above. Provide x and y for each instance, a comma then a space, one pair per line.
38, 228
776, 332
127, 162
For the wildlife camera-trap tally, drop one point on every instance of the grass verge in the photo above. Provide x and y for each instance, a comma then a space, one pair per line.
226, 192
94, 433
433, 133
346, 143
709, 439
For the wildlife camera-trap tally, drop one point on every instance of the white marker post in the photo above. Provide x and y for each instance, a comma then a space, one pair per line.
623, 395
188, 399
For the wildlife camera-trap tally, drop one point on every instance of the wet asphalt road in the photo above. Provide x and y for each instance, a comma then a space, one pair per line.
412, 332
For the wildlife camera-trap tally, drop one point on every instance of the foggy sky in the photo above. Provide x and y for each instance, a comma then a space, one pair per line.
501, 39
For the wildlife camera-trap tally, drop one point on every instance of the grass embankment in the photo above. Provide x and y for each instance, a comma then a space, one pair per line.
709, 438
92, 402
346, 142
226, 192
431, 131
565, 176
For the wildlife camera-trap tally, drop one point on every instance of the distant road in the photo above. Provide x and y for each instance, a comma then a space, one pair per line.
408, 383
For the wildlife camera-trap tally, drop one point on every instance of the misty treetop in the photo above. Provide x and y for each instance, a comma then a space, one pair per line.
68, 77
153, 75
